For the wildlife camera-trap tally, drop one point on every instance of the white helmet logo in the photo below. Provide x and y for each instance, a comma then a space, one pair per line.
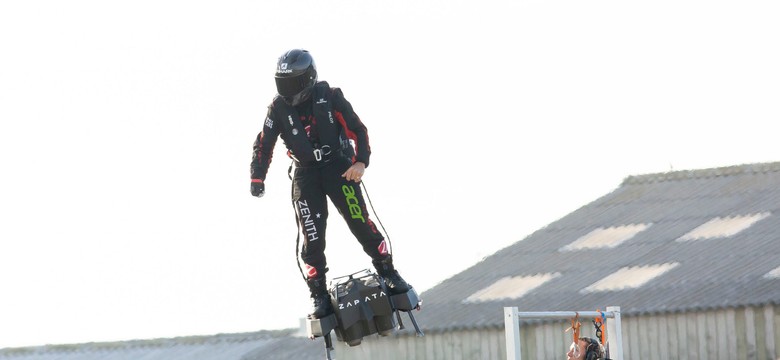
283, 69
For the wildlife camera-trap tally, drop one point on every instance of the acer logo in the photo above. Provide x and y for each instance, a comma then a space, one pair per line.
354, 205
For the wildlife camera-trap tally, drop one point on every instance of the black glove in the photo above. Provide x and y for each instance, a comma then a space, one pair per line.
257, 188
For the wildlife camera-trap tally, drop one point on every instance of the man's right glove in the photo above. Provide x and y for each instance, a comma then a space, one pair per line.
257, 188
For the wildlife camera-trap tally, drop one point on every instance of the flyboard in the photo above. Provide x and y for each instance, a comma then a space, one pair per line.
363, 306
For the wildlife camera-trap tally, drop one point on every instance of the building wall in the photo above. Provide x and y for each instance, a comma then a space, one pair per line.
745, 333
454, 345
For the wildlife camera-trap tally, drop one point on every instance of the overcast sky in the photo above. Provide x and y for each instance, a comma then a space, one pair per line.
127, 128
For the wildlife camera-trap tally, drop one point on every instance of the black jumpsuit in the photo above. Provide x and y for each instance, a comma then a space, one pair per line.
323, 124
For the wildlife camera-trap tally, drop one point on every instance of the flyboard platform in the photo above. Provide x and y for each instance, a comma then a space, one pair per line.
363, 306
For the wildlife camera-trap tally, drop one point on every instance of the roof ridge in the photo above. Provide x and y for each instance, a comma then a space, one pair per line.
702, 173
157, 342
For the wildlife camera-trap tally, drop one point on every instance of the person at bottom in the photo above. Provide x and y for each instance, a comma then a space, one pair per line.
586, 348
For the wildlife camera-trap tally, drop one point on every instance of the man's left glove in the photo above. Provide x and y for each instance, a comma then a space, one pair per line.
257, 188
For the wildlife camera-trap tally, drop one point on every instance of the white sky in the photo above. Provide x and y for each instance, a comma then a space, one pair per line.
127, 127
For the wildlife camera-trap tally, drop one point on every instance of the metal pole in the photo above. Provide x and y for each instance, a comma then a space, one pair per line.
615, 334
563, 314
512, 332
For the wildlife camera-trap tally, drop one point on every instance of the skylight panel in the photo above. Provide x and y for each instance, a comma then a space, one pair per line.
721, 227
630, 277
774, 274
510, 287
606, 237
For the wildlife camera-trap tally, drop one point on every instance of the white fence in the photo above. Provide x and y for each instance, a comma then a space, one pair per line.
512, 327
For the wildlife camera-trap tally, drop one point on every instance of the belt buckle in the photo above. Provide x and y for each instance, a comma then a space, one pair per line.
324, 150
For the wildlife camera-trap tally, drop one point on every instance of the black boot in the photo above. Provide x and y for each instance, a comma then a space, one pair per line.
395, 283
320, 298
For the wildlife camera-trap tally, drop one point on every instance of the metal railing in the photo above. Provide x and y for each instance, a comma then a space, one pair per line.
512, 327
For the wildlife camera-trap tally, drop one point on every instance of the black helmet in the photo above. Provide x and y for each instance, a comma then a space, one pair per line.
295, 76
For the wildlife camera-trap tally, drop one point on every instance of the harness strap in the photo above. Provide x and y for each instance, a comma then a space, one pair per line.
575, 327
298, 226
598, 324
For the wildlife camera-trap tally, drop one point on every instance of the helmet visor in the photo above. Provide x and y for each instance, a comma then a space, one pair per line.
289, 86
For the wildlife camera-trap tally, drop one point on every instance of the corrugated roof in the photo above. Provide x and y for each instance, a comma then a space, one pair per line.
279, 345
723, 271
